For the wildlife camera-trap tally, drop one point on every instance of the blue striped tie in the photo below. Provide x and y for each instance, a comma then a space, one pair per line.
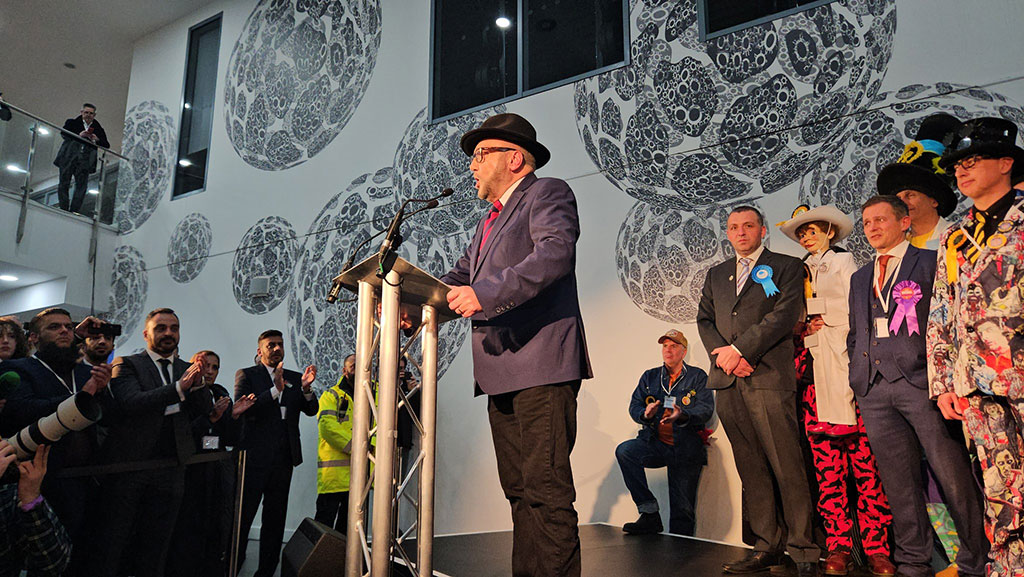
741, 279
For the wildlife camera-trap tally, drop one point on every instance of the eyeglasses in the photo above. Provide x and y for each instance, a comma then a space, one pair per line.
968, 163
480, 153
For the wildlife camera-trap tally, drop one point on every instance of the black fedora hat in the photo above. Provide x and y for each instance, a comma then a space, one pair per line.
509, 127
988, 136
918, 167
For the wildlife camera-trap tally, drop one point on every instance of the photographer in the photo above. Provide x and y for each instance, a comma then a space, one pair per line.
31, 536
49, 377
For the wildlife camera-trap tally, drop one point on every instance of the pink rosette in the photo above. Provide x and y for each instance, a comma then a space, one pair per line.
906, 294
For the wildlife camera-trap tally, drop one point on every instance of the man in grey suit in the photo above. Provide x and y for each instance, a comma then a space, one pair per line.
889, 376
517, 282
748, 309
148, 444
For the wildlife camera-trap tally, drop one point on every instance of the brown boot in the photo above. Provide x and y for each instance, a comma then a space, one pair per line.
881, 566
838, 562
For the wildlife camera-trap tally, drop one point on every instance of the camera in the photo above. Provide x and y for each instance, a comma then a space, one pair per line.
108, 329
73, 414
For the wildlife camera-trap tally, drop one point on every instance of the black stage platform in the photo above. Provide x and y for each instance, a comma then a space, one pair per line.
607, 552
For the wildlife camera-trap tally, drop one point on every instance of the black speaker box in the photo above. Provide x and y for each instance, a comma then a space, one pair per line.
315, 550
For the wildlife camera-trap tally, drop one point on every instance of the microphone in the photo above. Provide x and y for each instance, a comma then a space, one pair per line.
8, 382
430, 203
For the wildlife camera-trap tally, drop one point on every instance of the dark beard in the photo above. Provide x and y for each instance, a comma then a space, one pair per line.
58, 357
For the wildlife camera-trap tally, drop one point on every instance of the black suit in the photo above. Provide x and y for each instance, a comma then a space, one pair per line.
759, 411
77, 159
141, 504
272, 450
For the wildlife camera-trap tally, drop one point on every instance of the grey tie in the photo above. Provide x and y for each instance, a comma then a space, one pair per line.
741, 278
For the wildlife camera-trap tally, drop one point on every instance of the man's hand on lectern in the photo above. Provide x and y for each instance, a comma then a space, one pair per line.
462, 300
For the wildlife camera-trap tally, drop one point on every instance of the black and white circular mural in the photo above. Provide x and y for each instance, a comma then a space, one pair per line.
663, 256
189, 248
129, 287
149, 145
324, 334
268, 249
848, 173
429, 160
296, 75
689, 124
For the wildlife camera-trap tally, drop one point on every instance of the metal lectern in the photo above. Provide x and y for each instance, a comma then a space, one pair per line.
404, 292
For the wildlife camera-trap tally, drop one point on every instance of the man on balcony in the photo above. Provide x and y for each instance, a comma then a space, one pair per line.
78, 159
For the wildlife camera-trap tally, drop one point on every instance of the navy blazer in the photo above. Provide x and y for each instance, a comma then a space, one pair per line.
900, 354
761, 327
264, 433
688, 445
38, 396
530, 332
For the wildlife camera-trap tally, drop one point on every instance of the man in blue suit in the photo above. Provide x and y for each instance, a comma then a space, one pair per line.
517, 282
889, 301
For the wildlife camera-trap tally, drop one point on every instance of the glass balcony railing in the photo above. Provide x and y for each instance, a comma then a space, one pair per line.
28, 147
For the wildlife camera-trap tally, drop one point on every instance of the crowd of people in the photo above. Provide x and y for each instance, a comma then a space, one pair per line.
836, 385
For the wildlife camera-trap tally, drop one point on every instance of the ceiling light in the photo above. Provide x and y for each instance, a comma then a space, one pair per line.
8, 277
43, 130
16, 168
185, 162
503, 22
93, 191
187, 106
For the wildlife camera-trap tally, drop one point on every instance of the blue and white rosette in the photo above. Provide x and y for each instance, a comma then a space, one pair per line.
762, 275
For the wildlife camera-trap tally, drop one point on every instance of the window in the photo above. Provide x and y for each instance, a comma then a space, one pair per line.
197, 107
482, 56
718, 17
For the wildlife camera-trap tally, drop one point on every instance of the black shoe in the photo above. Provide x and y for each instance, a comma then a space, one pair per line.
755, 562
647, 524
807, 569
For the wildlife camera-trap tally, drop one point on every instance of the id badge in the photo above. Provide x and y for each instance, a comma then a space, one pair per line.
811, 341
211, 443
670, 402
881, 328
815, 306
172, 409
283, 411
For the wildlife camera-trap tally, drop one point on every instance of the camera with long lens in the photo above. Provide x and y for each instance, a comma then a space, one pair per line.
73, 414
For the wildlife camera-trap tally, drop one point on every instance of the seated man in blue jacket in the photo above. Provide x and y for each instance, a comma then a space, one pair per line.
672, 404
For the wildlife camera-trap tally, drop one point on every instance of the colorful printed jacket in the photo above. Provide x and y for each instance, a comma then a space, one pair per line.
976, 321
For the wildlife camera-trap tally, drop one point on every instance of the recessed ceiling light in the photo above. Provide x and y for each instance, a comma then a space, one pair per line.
16, 168
185, 162
93, 191
43, 130
69, 66
8, 277
503, 22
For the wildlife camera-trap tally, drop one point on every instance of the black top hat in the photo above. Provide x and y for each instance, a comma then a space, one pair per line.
989, 136
918, 167
511, 128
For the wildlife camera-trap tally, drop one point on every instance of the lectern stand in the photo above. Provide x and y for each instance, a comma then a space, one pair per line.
406, 291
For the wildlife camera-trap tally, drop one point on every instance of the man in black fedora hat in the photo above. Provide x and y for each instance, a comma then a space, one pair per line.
517, 282
975, 344
921, 184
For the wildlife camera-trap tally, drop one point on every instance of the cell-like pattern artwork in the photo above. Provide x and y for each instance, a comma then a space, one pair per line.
142, 181
129, 287
848, 177
268, 249
189, 248
296, 75
324, 334
732, 102
663, 256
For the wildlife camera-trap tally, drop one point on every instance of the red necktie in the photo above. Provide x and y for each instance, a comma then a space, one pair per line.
882, 261
489, 223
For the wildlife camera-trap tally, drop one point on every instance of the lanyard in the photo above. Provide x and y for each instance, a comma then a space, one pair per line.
886, 298
662, 380
1009, 213
73, 386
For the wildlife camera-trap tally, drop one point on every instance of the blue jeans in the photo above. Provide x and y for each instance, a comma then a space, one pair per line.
635, 455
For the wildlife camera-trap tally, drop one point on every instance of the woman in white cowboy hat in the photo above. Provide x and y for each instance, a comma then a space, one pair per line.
834, 430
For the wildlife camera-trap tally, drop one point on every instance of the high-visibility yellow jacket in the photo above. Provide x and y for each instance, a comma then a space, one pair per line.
333, 452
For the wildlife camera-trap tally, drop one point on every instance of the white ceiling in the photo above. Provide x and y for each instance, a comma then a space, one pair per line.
38, 36
26, 276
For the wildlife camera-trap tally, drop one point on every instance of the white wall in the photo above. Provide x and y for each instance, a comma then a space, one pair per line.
935, 41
